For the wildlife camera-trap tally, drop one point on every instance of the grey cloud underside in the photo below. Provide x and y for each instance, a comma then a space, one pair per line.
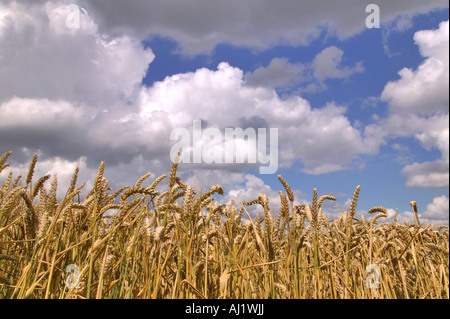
199, 25
282, 75
72, 145
254, 122
279, 73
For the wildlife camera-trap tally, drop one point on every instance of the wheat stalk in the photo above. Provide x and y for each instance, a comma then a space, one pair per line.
153, 246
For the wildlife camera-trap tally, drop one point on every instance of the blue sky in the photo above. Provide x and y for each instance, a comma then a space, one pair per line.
113, 89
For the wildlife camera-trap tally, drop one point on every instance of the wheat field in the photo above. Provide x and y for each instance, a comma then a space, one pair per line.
169, 240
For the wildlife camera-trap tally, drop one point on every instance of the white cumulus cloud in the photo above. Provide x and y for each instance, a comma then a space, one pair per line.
418, 105
323, 139
438, 209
